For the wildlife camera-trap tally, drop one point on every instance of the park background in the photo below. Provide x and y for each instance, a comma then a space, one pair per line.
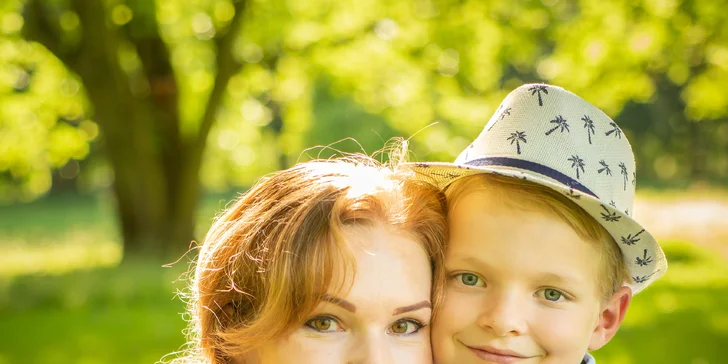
126, 125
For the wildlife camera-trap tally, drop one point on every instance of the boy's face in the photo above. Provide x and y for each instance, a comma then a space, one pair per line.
522, 288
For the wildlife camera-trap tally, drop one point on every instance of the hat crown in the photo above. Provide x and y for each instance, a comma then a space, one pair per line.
553, 138
551, 131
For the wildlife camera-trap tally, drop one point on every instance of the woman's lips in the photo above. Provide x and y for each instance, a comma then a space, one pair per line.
497, 356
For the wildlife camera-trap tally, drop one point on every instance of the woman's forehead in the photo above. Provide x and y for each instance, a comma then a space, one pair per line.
388, 266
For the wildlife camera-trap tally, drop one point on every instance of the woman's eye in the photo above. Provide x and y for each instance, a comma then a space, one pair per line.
405, 327
552, 295
323, 324
470, 279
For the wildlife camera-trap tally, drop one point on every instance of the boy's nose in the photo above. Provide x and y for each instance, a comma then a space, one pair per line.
504, 313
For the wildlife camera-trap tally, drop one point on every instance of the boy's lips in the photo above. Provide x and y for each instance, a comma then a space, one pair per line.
497, 356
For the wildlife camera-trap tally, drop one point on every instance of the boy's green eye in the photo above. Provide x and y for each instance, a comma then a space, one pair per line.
469, 279
552, 294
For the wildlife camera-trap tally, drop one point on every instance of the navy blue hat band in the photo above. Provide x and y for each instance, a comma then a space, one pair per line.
533, 167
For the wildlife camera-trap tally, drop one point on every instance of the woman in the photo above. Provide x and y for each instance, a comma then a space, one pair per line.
325, 262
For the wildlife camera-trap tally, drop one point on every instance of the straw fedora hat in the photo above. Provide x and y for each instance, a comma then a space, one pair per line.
550, 136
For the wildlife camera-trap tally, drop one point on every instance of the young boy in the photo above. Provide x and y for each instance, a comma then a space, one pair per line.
544, 256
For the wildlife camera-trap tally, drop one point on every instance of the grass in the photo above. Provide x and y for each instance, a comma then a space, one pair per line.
105, 315
65, 299
682, 318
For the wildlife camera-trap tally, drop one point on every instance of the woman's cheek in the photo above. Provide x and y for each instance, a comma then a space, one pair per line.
305, 347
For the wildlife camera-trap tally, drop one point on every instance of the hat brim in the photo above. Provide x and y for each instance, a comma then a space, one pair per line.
631, 237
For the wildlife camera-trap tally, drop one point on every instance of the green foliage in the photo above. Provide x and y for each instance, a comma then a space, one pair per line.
413, 63
313, 73
43, 123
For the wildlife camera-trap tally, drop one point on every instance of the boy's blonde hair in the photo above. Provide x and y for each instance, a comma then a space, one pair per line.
267, 260
523, 194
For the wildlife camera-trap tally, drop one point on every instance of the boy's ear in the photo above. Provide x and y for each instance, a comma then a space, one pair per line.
610, 318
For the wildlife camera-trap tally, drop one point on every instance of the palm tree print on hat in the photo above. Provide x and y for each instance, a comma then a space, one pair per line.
643, 279
517, 137
611, 203
538, 89
609, 216
632, 240
605, 168
560, 123
572, 194
467, 151
502, 115
634, 178
644, 260
589, 125
623, 169
615, 129
577, 163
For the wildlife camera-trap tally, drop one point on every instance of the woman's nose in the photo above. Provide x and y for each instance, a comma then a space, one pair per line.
371, 347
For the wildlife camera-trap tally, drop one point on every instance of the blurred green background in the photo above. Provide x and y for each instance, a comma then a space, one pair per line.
126, 125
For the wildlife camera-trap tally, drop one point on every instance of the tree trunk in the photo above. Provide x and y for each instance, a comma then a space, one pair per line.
128, 132
276, 128
156, 170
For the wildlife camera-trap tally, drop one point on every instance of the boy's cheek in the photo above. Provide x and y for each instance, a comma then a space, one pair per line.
458, 312
557, 331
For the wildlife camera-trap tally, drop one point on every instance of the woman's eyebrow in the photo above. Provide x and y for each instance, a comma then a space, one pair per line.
416, 306
339, 302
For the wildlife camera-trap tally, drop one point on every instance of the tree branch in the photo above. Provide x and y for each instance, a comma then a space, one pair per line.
108, 85
227, 67
143, 33
39, 28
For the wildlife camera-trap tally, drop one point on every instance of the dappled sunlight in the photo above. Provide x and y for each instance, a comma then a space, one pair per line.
65, 253
687, 308
127, 314
698, 219
125, 113
61, 278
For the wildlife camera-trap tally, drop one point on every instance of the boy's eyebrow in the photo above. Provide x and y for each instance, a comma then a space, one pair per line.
568, 279
473, 261
339, 302
542, 276
415, 307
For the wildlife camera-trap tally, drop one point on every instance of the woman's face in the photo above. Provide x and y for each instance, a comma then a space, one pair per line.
383, 318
